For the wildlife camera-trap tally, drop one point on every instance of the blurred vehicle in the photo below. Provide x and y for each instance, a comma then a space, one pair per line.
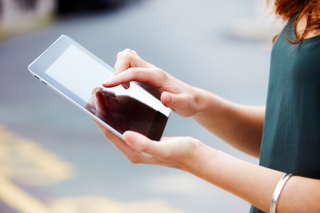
70, 6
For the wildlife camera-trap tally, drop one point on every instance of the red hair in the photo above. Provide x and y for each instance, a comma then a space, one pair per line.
309, 9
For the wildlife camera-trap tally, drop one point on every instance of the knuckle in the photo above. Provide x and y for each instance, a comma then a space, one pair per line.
162, 74
135, 71
166, 156
119, 53
130, 51
126, 55
194, 142
127, 50
144, 147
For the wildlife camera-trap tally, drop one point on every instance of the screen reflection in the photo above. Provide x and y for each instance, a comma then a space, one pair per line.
121, 112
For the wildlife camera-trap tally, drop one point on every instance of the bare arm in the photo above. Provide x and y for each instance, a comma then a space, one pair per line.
239, 125
253, 183
256, 184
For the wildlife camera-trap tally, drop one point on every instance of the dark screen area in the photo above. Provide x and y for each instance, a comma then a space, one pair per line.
121, 112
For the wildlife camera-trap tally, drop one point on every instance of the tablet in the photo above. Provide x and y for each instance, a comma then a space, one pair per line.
76, 74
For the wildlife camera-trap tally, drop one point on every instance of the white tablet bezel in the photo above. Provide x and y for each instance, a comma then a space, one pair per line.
38, 67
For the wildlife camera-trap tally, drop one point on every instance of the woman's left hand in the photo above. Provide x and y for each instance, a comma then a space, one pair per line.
175, 152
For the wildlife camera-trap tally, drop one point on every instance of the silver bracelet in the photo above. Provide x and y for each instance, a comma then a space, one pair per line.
277, 192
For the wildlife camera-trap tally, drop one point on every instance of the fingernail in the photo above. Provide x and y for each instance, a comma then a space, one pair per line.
113, 100
125, 86
129, 137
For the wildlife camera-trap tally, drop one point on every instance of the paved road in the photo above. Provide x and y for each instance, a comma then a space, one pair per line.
54, 159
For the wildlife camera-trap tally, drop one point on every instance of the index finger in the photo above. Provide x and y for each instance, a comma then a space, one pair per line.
154, 76
126, 60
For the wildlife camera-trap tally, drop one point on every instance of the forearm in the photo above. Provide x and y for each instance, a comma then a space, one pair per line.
255, 184
239, 125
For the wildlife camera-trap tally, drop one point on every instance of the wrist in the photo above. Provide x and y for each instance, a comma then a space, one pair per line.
204, 101
208, 104
199, 98
197, 161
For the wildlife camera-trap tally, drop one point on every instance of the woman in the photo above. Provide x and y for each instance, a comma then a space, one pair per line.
284, 135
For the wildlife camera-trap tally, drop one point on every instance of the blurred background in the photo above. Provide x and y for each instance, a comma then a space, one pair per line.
52, 156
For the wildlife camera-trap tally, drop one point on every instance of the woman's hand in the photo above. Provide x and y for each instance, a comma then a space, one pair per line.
175, 152
175, 94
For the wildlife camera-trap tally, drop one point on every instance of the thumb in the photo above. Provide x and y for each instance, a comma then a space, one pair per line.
141, 143
172, 100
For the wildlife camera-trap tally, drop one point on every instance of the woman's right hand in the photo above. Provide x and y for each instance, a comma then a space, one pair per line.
175, 94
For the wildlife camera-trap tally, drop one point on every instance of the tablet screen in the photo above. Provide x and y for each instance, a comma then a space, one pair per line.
80, 76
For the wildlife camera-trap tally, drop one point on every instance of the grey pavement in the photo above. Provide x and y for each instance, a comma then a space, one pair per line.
188, 39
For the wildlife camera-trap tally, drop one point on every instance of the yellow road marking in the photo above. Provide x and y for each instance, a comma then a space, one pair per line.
29, 163
98, 204
16, 198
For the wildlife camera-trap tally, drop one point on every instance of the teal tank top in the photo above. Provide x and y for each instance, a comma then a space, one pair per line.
291, 132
